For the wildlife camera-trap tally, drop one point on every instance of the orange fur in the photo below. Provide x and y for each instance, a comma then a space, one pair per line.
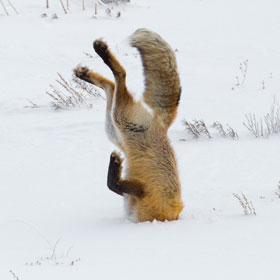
141, 135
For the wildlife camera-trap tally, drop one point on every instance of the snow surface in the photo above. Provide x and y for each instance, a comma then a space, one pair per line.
58, 220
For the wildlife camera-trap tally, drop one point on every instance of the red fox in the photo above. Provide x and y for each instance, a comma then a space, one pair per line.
151, 186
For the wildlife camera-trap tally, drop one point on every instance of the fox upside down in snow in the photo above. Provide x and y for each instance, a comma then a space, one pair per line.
151, 186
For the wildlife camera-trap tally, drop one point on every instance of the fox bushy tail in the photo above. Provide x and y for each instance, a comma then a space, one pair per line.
162, 83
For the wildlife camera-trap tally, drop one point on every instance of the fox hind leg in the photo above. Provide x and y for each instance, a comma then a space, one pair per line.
102, 49
96, 79
108, 86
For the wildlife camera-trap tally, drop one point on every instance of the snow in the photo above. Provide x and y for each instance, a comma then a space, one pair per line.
58, 220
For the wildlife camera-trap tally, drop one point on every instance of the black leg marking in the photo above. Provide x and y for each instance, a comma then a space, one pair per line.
102, 50
114, 173
122, 186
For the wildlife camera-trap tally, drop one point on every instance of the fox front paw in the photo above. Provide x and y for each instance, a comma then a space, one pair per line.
82, 72
116, 158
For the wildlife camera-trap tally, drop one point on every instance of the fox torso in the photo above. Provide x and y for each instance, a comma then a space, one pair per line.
150, 160
151, 185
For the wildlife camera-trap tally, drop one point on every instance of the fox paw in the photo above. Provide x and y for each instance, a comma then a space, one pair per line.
82, 72
116, 158
101, 49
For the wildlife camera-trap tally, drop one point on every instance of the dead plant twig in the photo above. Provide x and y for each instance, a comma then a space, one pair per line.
202, 128
33, 105
191, 129
243, 68
10, 3
14, 275
248, 207
265, 126
219, 127
63, 7
199, 128
232, 133
70, 94
4, 8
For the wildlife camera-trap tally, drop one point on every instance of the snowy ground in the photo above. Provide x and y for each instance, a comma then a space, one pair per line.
58, 220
